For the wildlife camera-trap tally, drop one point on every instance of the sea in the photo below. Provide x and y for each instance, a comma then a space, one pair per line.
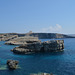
58, 63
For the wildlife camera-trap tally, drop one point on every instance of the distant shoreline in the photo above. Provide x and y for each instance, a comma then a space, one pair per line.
40, 35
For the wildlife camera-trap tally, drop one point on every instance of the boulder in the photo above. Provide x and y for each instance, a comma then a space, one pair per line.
12, 64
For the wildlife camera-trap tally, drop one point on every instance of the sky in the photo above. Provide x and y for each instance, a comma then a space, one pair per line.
45, 16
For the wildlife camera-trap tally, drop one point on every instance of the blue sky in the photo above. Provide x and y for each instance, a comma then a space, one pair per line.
50, 16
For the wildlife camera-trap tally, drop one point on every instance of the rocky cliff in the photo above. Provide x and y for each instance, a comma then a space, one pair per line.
39, 35
50, 35
48, 46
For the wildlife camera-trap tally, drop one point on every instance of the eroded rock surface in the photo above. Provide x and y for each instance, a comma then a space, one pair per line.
48, 46
22, 40
12, 64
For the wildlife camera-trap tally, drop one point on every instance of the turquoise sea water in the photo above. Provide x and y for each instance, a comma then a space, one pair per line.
58, 63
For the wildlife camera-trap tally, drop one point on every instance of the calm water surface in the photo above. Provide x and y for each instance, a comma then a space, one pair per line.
59, 63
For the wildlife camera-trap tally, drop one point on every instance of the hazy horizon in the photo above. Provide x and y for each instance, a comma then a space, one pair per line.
35, 32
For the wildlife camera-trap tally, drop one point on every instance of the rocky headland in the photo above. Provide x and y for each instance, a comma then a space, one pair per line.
48, 46
9, 36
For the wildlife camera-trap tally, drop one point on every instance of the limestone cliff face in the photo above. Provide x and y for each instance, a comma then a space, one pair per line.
39, 35
50, 35
45, 35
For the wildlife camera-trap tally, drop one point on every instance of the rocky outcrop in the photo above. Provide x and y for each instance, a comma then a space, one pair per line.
22, 40
7, 37
12, 64
15, 43
28, 48
48, 46
55, 45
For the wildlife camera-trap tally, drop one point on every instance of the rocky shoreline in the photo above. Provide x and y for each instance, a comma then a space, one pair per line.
22, 40
29, 45
5, 36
